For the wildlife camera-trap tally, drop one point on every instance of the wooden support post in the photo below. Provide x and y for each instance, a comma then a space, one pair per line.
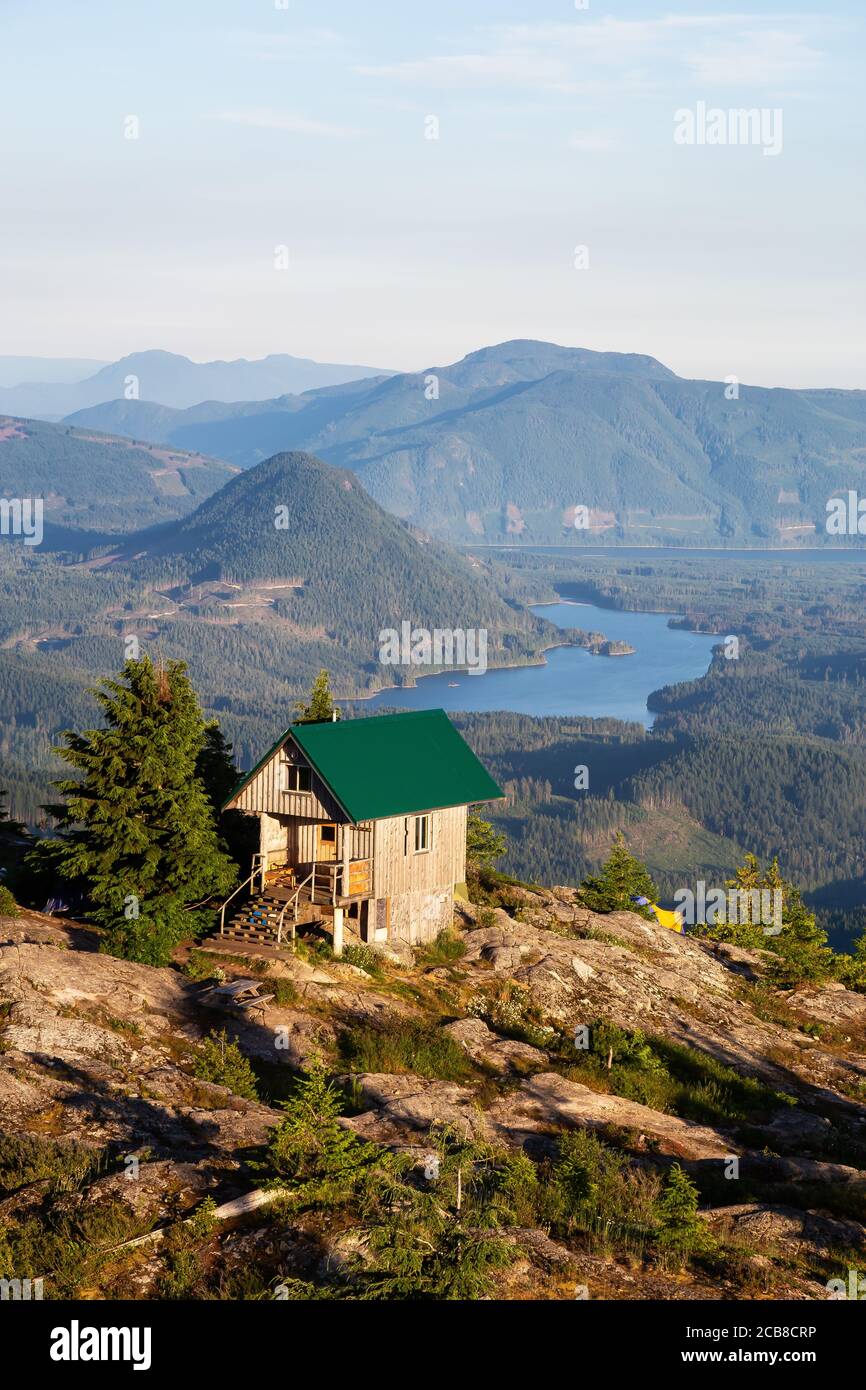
347, 853
338, 931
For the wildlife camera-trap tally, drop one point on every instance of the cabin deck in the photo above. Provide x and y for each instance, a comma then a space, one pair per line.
332, 884
323, 896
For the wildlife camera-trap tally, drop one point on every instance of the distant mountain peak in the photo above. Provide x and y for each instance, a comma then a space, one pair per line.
524, 350
170, 379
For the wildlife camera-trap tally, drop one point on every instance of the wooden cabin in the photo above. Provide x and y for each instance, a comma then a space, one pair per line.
362, 829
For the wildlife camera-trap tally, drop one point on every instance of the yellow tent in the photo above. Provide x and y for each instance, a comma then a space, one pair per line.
667, 919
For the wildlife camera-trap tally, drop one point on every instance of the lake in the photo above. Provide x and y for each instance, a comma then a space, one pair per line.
826, 555
574, 681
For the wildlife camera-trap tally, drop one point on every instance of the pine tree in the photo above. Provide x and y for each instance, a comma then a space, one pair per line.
216, 768
221, 1061
484, 845
215, 765
138, 829
621, 879
321, 708
797, 942
11, 831
442, 1241
681, 1232
746, 881
311, 1150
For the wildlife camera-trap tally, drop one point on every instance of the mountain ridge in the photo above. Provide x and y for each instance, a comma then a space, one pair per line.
169, 378
91, 483
508, 442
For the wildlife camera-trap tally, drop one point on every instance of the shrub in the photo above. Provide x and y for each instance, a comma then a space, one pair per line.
670, 1077
285, 993
405, 1045
221, 1062
62, 1233
441, 1241
364, 957
508, 1009
26, 1159
200, 966
447, 948
426, 1253
184, 1273
681, 1233
311, 1150
517, 1191
594, 1190
8, 905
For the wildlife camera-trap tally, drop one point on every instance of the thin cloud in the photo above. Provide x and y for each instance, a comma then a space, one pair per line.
264, 118
591, 142
272, 47
624, 54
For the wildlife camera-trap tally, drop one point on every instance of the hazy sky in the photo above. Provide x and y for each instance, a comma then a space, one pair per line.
262, 126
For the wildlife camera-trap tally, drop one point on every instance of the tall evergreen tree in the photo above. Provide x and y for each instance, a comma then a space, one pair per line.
484, 844
216, 768
321, 708
215, 765
138, 828
620, 880
11, 831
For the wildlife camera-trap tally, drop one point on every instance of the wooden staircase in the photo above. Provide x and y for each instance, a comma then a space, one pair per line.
282, 904
257, 920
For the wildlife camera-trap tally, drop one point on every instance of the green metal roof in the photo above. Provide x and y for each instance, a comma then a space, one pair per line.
392, 764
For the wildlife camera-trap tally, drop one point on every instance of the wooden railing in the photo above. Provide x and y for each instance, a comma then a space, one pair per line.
347, 881
257, 869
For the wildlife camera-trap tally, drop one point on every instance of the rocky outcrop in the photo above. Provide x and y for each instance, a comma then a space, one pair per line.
501, 1055
548, 1103
578, 966
788, 1227
97, 1051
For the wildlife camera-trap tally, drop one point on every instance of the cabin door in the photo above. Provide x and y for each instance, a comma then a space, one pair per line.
326, 844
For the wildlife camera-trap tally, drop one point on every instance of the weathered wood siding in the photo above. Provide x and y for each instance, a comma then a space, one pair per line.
417, 917
398, 869
272, 836
302, 841
264, 793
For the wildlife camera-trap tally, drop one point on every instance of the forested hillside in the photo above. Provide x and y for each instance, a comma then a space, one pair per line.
95, 483
289, 569
510, 440
767, 752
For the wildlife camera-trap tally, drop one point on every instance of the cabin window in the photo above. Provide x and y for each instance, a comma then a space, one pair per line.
328, 834
422, 834
296, 779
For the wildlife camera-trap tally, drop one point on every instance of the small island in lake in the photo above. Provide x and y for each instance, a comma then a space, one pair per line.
598, 643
